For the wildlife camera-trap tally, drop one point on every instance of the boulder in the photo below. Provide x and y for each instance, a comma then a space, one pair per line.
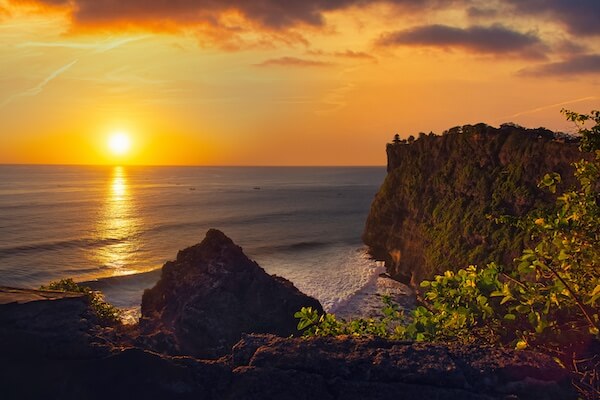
210, 295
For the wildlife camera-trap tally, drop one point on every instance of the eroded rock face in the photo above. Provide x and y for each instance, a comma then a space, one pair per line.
432, 212
210, 295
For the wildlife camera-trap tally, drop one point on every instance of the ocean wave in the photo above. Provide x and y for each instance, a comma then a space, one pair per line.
291, 247
58, 245
125, 291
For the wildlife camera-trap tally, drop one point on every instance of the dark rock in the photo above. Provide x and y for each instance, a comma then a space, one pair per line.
374, 368
127, 373
78, 362
46, 323
210, 295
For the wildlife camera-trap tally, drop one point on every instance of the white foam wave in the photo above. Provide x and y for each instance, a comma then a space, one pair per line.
345, 280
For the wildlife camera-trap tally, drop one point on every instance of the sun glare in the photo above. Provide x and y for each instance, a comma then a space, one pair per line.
119, 143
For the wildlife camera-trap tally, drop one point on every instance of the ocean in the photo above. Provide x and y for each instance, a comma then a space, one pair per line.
114, 227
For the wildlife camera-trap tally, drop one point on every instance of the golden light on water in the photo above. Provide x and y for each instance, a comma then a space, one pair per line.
118, 226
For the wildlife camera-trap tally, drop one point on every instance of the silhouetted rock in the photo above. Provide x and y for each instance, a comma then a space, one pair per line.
210, 295
270, 367
46, 323
432, 213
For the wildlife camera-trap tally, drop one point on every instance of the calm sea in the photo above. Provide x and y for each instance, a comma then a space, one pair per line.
116, 226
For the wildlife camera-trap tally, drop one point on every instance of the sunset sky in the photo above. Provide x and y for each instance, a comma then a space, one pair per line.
274, 82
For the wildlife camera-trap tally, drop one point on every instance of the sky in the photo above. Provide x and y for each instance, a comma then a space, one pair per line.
275, 82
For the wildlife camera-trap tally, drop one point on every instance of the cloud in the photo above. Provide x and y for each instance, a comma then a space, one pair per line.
481, 12
495, 39
98, 47
268, 13
34, 91
569, 47
550, 106
236, 24
587, 64
354, 54
272, 14
292, 62
581, 17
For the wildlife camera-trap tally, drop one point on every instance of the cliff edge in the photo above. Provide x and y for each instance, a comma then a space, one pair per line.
434, 212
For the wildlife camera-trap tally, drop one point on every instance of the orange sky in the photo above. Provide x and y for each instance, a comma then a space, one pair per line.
267, 82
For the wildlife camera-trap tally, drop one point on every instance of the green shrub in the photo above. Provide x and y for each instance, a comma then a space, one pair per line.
106, 312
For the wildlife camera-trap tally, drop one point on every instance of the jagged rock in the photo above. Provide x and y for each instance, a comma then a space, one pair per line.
371, 368
432, 212
210, 295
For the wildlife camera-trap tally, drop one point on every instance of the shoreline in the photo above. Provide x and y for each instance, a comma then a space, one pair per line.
125, 292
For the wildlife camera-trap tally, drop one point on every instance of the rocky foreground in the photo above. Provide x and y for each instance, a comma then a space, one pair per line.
214, 302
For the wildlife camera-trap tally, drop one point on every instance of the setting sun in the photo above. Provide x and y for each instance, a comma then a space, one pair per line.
119, 143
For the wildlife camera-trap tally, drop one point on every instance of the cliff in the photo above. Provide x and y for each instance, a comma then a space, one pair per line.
433, 211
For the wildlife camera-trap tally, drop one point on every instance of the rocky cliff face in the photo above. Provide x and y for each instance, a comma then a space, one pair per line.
432, 212
211, 294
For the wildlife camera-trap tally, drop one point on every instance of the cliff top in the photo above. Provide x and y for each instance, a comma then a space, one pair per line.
10, 295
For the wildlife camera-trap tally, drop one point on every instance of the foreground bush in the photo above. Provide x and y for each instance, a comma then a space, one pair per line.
106, 312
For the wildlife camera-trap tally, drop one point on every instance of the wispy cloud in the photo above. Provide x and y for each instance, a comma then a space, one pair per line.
97, 47
550, 106
34, 91
355, 55
292, 62
581, 64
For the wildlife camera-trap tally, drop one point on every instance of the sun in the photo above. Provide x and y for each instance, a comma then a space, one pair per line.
119, 143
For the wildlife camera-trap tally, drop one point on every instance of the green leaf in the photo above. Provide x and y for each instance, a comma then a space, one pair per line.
523, 309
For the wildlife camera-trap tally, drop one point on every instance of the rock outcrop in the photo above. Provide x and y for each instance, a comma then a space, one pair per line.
270, 367
210, 295
435, 209
369, 368
46, 323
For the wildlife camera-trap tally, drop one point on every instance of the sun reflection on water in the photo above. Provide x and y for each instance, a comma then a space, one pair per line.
118, 226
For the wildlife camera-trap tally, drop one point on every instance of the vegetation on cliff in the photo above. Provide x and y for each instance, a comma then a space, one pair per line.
435, 211
549, 299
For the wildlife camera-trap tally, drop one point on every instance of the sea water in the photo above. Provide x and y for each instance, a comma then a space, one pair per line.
114, 227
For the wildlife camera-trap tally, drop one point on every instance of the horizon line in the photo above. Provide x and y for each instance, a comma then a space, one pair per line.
195, 165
